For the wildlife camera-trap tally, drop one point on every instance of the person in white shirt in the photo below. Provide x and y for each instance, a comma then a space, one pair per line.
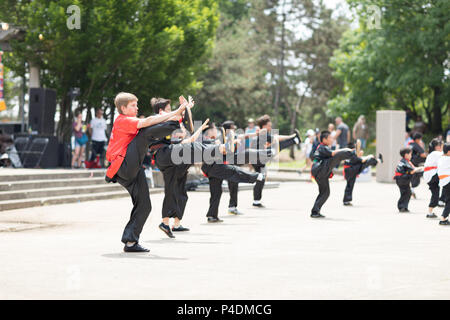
97, 130
430, 174
443, 171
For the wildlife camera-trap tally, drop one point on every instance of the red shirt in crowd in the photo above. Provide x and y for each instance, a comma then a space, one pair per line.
124, 130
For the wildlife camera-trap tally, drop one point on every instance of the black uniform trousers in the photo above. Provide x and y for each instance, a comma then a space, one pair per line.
98, 148
404, 186
216, 173
322, 176
131, 176
446, 196
352, 173
233, 188
433, 185
415, 180
175, 174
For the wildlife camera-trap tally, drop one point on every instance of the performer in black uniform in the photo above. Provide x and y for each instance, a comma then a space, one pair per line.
217, 172
403, 176
266, 139
353, 167
418, 158
325, 160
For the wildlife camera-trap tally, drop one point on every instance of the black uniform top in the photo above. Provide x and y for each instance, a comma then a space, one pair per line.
417, 150
322, 152
354, 160
403, 171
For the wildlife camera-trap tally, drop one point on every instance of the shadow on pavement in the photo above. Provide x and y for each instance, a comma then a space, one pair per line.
148, 256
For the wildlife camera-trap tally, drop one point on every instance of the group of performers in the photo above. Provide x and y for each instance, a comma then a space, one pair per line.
435, 171
175, 146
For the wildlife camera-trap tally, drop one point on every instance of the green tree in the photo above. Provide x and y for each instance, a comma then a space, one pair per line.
401, 65
148, 47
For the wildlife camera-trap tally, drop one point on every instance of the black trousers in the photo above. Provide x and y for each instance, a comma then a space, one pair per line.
215, 188
175, 195
348, 193
323, 176
98, 148
131, 176
433, 185
352, 173
415, 181
216, 174
446, 196
405, 194
259, 185
233, 188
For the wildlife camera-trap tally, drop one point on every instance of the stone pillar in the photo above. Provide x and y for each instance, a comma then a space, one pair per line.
391, 133
34, 76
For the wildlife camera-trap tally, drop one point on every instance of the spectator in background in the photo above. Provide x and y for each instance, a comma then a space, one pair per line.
408, 138
79, 132
447, 134
342, 133
420, 126
310, 136
252, 128
332, 130
97, 130
361, 131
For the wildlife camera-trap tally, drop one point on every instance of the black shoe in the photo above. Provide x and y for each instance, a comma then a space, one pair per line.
258, 205
403, 210
380, 156
444, 222
431, 216
166, 230
317, 215
179, 229
348, 203
214, 220
297, 133
135, 248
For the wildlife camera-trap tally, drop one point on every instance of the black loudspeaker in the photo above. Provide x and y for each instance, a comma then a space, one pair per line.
65, 155
41, 116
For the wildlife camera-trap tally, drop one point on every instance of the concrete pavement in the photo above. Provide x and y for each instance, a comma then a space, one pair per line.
73, 251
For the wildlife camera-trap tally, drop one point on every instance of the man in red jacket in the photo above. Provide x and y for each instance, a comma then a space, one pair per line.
128, 145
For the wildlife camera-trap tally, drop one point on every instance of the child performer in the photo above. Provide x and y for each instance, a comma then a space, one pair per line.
403, 175
353, 167
324, 161
130, 139
444, 182
266, 139
430, 174
417, 158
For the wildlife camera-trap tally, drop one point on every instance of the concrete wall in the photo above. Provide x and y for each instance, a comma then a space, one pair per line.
390, 139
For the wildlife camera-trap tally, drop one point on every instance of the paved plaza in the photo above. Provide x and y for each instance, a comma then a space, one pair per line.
368, 251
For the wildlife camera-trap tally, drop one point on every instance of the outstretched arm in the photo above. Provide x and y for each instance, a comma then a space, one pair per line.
197, 133
152, 120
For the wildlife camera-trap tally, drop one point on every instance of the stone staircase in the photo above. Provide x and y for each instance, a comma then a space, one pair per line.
31, 188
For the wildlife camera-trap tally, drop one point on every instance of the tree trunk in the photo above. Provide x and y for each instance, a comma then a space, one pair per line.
279, 87
436, 123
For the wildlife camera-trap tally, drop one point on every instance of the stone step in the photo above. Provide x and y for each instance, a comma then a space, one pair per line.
36, 202
41, 174
57, 183
61, 191
242, 186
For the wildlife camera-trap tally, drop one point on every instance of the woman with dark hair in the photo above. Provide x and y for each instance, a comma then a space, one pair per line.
430, 174
79, 132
